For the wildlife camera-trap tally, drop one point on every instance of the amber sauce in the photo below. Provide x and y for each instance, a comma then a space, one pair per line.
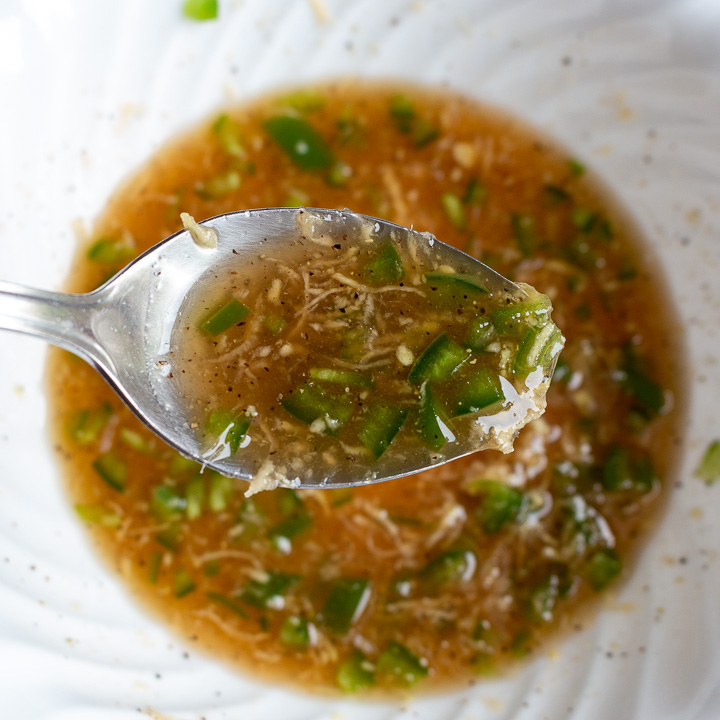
608, 297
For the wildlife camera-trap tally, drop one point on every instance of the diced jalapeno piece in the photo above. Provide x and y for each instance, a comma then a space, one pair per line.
341, 496
400, 665
355, 673
231, 428
542, 599
379, 426
354, 343
430, 421
454, 210
556, 195
86, 426
439, 361
345, 604
288, 501
304, 100
227, 315
423, 131
582, 218
348, 378
576, 167
339, 174
200, 9
479, 392
170, 537
538, 347
166, 503
510, 319
135, 440
221, 488
709, 468
270, 592
111, 250
480, 333
227, 131
295, 632
309, 403
476, 193
297, 198
454, 289
154, 565
640, 386
627, 470
386, 267
402, 111
602, 568
450, 567
300, 141
274, 323
98, 515
226, 602
500, 504
218, 185
184, 583
523, 226
113, 469
194, 498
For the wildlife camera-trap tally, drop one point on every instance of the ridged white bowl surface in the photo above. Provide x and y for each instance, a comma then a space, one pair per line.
91, 88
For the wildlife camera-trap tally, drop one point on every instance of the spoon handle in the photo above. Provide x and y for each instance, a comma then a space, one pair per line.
61, 319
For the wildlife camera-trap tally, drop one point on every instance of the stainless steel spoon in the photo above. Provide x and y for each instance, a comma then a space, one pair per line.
124, 328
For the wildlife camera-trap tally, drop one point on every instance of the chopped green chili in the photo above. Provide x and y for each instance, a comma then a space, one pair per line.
274, 323
200, 9
341, 496
221, 488
154, 565
454, 288
309, 403
297, 198
480, 333
355, 673
98, 515
295, 632
194, 498
305, 100
539, 345
219, 185
339, 174
627, 470
582, 218
283, 533
227, 131
407, 121
430, 421
300, 141
85, 426
113, 469
345, 603
228, 426
440, 360
481, 391
450, 567
500, 504
475, 193
541, 600
348, 378
269, 592
524, 231
135, 440
230, 313
602, 568
166, 503
170, 537
226, 602
111, 250
400, 665
556, 195
709, 467
379, 426
639, 385
454, 210
510, 319
576, 167
386, 267
184, 584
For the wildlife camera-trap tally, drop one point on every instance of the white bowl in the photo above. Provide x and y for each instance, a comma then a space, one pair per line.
90, 89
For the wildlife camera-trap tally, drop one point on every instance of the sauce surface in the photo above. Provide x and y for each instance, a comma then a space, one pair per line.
436, 579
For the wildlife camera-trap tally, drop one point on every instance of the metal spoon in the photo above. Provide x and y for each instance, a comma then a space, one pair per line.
123, 328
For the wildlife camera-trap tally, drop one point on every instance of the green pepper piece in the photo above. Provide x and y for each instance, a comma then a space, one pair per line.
339, 174
450, 567
297, 198
194, 498
386, 267
709, 467
274, 323
227, 131
288, 501
524, 231
476, 193
232, 428
538, 347
602, 568
219, 185
200, 9
227, 315
355, 673
341, 496
379, 426
449, 289
86, 426
345, 604
480, 333
113, 469
226, 602
295, 632
183, 466
430, 421
402, 666
481, 392
184, 584
283, 533
454, 210
154, 565
170, 537
347, 378
300, 141
541, 600
501, 504
135, 440
309, 403
625, 470
221, 488
556, 195
98, 515
510, 319
166, 503
111, 250
583, 219
403, 112
270, 592
576, 167
640, 386
440, 360
304, 100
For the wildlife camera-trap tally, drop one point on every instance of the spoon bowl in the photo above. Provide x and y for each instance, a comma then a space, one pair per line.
124, 328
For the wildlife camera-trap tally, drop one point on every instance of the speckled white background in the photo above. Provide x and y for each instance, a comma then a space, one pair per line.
90, 88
